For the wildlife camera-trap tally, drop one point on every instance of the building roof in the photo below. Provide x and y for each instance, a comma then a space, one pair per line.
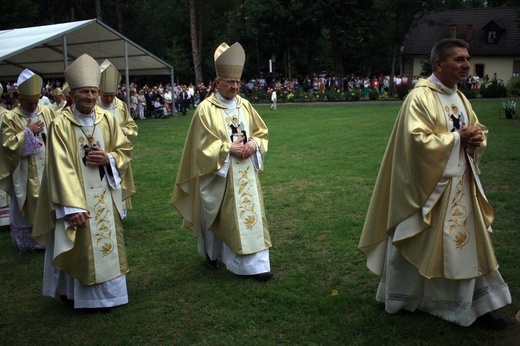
47, 50
436, 26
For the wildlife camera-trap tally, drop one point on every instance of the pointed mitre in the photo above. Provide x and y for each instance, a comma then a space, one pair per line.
110, 77
29, 85
229, 61
66, 89
1, 89
83, 72
57, 92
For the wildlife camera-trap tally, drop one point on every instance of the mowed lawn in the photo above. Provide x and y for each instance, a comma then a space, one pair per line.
319, 174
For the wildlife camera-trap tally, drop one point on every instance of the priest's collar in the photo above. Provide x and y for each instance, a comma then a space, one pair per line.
82, 118
230, 104
433, 78
27, 114
107, 107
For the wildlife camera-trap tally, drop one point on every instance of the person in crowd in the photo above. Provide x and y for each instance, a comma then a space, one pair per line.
273, 99
184, 97
79, 212
24, 143
217, 189
4, 196
428, 227
59, 100
142, 103
108, 86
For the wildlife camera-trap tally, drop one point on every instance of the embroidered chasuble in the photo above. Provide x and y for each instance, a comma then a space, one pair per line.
23, 158
96, 253
232, 204
428, 196
119, 110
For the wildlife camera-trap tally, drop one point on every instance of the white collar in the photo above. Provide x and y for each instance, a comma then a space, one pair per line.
230, 104
82, 118
433, 78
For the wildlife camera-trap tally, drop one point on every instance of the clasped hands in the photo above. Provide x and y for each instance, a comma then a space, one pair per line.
241, 150
97, 157
471, 136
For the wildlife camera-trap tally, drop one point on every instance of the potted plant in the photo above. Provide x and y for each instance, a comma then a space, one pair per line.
509, 107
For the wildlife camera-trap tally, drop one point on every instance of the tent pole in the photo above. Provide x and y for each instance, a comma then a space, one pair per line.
127, 79
65, 59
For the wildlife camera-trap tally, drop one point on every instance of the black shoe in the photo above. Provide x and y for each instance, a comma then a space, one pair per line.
492, 321
212, 264
263, 277
67, 301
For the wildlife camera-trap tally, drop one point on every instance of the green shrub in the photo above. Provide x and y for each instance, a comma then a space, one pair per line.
469, 93
513, 87
493, 90
373, 95
402, 91
354, 95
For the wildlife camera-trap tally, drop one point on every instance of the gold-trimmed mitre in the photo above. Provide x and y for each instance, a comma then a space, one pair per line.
29, 85
229, 61
83, 72
110, 77
66, 89
57, 92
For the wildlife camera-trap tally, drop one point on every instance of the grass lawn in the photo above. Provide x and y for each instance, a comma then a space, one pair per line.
320, 171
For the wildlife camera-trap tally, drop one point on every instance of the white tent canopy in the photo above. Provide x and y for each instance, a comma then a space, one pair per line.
47, 50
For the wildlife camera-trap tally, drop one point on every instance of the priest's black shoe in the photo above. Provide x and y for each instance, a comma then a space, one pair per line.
212, 264
492, 321
263, 277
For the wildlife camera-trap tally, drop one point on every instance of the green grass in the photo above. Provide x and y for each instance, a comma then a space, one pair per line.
318, 179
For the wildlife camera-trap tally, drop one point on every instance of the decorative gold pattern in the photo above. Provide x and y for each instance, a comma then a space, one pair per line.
247, 205
102, 222
458, 216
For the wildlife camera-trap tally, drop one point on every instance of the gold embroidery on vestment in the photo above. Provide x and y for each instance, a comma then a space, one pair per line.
458, 216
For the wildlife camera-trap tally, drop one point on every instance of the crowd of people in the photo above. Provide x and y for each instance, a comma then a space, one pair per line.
66, 165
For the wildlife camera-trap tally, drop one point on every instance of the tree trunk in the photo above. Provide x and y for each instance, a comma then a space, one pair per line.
119, 16
99, 14
196, 27
335, 46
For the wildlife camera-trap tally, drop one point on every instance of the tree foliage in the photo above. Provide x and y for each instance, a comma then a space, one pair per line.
305, 36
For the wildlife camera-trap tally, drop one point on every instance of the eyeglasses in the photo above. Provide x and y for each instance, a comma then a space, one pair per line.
231, 82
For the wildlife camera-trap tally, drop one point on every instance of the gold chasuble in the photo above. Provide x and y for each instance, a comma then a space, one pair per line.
427, 196
233, 203
96, 253
128, 125
21, 175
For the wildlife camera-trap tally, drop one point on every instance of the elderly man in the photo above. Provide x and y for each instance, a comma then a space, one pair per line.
79, 211
24, 142
428, 227
110, 78
217, 190
59, 100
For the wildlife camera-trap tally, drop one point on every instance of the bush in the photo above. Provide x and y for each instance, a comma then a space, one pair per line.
402, 91
354, 95
469, 93
373, 95
493, 90
334, 95
513, 87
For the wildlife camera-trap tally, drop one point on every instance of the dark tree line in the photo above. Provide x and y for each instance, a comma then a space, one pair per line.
305, 37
